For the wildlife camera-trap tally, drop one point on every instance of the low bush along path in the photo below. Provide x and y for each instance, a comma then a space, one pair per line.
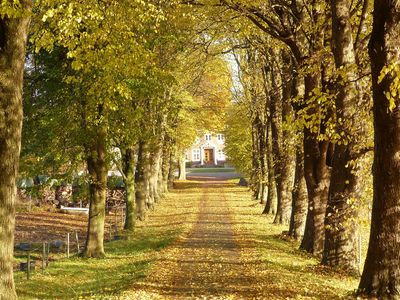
231, 251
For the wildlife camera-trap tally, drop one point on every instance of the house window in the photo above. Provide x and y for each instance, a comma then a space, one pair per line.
220, 137
196, 155
207, 137
197, 141
221, 154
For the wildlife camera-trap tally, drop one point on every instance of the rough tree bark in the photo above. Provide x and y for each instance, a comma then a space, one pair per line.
97, 169
13, 37
381, 275
340, 249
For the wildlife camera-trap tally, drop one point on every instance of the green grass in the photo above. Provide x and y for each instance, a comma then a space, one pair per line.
210, 170
126, 262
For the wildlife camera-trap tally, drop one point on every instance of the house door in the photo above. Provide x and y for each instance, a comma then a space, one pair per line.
209, 156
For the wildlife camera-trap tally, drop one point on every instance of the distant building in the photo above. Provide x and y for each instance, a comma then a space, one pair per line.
207, 150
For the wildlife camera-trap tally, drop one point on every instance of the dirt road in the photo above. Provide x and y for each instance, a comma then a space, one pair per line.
206, 263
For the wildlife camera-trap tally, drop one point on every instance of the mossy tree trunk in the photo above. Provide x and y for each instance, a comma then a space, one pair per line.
13, 37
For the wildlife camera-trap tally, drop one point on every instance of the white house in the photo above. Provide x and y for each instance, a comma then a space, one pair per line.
207, 150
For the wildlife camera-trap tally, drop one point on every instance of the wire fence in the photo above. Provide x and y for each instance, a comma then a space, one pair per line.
37, 256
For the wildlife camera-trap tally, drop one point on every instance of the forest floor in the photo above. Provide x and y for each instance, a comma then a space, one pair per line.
206, 240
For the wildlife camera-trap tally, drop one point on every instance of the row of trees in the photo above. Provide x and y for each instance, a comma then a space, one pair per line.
107, 83
305, 95
126, 74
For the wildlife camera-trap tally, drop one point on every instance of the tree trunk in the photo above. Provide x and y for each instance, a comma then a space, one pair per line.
270, 205
317, 175
97, 169
263, 164
299, 199
171, 171
255, 178
264, 193
182, 167
279, 111
155, 168
142, 181
262, 157
129, 168
160, 183
381, 276
13, 36
165, 167
149, 178
340, 249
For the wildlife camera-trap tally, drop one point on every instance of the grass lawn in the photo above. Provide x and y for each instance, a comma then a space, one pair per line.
210, 170
125, 263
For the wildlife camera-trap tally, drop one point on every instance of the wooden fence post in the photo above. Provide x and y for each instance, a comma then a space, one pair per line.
47, 254
28, 266
43, 257
115, 219
77, 241
68, 245
122, 218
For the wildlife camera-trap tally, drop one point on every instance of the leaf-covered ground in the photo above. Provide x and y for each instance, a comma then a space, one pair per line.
233, 252
206, 240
